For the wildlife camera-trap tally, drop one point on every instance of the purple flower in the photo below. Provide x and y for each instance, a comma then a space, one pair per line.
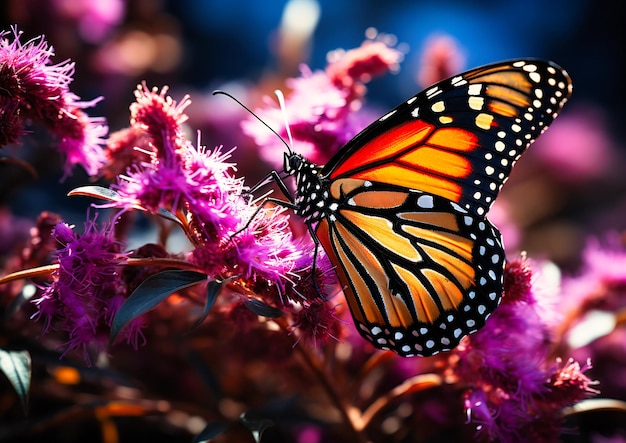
602, 282
39, 91
158, 180
321, 105
81, 137
441, 58
213, 193
94, 20
11, 128
516, 390
233, 238
569, 384
87, 289
316, 321
161, 117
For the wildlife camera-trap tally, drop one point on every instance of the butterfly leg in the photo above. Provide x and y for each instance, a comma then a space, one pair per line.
316, 242
276, 201
271, 177
290, 204
276, 178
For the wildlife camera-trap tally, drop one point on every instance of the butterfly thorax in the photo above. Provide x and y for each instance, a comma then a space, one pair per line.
311, 198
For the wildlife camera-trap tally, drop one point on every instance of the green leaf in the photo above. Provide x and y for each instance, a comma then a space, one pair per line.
150, 293
164, 213
256, 425
16, 365
205, 374
212, 291
111, 195
96, 192
262, 309
210, 431
20, 300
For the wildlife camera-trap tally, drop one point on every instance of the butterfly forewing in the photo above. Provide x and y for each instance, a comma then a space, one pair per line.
460, 138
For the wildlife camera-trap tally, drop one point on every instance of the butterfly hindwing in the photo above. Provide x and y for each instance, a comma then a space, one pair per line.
419, 272
460, 138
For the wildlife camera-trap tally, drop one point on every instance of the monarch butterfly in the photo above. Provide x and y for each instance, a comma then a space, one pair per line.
401, 209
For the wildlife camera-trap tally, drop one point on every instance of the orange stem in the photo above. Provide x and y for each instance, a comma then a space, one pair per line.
48, 269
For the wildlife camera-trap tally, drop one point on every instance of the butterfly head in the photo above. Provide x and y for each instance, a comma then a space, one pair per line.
292, 163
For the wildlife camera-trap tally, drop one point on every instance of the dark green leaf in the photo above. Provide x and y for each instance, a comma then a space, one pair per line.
212, 290
110, 195
205, 374
150, 293
168, 216
256, 425
210, 431
20, 300
262, 309
16, 366
96, 192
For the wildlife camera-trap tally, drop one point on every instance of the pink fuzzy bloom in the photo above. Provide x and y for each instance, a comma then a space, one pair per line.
39, 91
516, 389
87, 288
321, 105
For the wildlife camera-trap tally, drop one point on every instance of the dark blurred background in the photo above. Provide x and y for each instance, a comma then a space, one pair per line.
200, 42
572, 190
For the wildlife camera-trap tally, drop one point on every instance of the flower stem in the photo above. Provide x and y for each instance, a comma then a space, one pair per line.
163, 263
416, 383
332, 393
48, 269
28, 273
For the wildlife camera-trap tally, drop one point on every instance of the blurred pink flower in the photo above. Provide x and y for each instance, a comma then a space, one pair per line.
441, 58
94, 18
39, 91
321, 105
595, 299
602, 281
577, 147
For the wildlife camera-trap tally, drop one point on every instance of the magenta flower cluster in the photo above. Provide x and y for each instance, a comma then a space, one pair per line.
516, 387
322, 106
34, 89
87, 289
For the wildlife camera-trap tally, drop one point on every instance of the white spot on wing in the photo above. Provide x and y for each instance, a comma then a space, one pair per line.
425, 201
476, 103
458, 81
433, 92
386, 116
439, 106
475, 89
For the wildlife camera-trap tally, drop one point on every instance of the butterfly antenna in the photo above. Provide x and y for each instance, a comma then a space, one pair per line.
283, 108
220, 92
